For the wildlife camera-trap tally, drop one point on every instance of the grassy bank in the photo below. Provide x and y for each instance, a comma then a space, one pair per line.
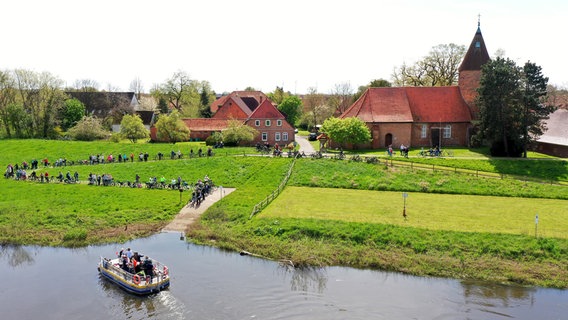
332, 213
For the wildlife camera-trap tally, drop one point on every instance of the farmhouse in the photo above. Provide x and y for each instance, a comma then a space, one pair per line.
252, 108
113, 105
424, 116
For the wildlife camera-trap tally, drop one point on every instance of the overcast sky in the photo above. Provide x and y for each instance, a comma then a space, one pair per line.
296, 44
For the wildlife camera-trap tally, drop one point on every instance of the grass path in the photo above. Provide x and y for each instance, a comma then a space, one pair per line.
484, 214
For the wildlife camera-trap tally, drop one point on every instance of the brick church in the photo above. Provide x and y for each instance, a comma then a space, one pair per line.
424, 116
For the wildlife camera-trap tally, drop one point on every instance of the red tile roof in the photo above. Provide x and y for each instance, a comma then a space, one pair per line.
266, 110
206, 124
435, 104
410, 104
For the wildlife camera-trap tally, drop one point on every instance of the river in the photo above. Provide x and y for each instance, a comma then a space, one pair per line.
208, 283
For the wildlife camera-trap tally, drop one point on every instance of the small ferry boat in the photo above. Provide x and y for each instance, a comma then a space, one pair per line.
142, 277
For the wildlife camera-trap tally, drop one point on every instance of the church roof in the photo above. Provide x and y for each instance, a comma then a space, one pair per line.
557, 132
410, 104
476, 55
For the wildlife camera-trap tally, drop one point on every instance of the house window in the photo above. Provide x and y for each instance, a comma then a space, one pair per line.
447, 131
267, 123
264, 136
277, 136
257, 123
424, 131
284, 136
279, 123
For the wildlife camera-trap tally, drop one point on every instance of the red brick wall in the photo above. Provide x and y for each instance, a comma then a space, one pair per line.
468, 83
459, 135
271, 132
552, 149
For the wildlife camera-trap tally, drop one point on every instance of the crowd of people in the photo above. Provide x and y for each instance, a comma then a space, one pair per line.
133, 262
201, 189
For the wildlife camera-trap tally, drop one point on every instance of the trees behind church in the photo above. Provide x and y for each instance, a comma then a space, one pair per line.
513, 104
439, 68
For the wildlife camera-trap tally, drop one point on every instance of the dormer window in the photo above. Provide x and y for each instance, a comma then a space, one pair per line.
478, 44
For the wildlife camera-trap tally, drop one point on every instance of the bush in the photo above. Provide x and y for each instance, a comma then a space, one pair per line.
116, 137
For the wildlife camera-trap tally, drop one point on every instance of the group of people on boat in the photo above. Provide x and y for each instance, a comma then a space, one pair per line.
133, 262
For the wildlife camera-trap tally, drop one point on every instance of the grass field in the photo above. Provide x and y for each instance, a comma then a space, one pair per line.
462, 213
331, 213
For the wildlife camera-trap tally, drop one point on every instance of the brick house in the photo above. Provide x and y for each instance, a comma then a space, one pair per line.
424, 116
254, 109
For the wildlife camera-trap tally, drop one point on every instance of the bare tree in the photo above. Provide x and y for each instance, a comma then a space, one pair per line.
137, 87
341, 96
438, 68
86, 85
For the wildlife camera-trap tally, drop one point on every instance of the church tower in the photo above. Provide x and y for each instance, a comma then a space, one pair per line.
470, 71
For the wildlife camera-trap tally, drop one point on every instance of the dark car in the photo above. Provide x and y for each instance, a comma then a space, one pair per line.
312, 136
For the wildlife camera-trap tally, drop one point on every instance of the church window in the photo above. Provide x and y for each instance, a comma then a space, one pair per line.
424, 132
447, 131
267, 123
257, 123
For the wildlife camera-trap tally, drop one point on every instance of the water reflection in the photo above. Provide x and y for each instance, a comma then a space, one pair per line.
16, 255
208, 283
305, 279
496, 295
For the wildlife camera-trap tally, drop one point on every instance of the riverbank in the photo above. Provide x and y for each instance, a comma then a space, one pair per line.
72, 215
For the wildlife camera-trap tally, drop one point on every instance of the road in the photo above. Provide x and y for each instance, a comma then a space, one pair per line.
305, 145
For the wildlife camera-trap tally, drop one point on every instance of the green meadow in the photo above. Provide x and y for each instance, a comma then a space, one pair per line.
332, 212
443, 212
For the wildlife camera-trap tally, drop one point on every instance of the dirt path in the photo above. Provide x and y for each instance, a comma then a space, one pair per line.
188, 215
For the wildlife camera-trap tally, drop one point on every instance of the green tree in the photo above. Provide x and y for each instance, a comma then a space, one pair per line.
163, 105
438, 68
7, 98
237, 133
132, 128
19, 120
88, 129
171, 128
182, 93
278, 95
349, 130
292, 107
377, 83
206, 96
512, 105
73, 111
535, 109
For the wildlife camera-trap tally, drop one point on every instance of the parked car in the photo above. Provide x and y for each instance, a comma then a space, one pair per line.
312, 136
296, 130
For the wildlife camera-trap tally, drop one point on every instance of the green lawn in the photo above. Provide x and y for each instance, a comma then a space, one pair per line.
462, 213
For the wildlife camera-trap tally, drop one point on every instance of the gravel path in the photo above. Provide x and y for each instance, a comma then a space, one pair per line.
187, 215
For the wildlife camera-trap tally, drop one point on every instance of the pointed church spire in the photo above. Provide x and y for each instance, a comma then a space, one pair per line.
476, 55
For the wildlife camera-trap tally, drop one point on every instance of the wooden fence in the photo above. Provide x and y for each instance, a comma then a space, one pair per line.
269, 198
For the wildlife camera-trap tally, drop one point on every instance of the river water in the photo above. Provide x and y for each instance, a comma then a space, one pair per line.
208, 283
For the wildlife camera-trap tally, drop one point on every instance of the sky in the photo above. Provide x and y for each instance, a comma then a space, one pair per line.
294, 44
